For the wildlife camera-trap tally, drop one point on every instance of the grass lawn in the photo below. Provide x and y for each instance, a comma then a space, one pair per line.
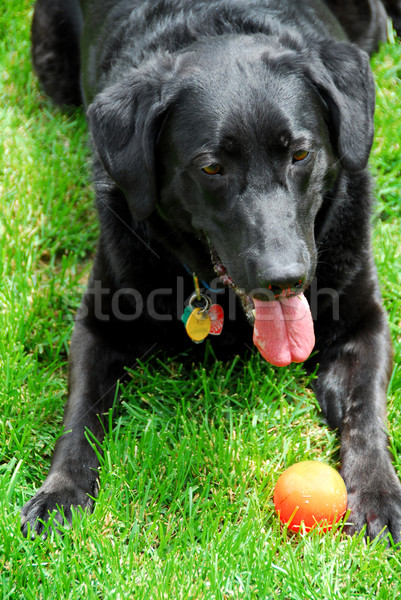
185, 508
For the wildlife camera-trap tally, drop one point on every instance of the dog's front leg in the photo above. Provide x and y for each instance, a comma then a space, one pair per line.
352, 384
72, 479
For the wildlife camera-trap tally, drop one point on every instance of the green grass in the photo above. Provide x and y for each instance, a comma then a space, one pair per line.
185, 508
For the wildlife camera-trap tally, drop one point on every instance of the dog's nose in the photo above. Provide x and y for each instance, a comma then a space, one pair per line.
293, 288
270, 292
284, 284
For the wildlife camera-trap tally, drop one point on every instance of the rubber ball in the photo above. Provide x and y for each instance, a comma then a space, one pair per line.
310, 492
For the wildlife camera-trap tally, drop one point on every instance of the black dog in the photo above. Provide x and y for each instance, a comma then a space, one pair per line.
231, 138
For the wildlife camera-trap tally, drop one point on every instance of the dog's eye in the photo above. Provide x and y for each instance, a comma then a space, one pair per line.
213, 169
300, 155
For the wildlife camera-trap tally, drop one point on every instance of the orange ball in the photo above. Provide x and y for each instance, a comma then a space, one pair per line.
310, 492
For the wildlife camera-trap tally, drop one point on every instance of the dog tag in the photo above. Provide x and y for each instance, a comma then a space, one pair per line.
197, 324
185, 315
216, 314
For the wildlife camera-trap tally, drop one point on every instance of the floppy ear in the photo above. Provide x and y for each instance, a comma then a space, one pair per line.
124, 121
343, 77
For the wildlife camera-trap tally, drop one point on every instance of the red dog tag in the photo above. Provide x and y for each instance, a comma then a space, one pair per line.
216, 314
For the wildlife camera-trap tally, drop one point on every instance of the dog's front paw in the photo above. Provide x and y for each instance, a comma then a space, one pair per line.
55, 502
374, 501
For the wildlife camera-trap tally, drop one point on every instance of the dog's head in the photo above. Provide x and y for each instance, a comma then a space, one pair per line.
236, 141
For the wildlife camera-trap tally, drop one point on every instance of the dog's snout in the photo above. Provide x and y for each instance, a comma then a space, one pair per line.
278, 283
278, 289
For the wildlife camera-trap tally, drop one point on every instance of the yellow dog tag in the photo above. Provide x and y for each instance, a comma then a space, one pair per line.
198, 324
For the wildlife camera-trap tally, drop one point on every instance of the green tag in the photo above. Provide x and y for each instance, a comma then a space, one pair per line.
185, 314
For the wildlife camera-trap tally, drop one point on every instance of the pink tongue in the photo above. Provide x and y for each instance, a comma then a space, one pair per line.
283, 331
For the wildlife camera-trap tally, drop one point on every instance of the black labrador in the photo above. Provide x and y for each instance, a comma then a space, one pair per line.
230, 140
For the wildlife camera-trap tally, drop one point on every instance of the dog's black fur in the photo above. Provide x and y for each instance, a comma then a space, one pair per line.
171, 86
